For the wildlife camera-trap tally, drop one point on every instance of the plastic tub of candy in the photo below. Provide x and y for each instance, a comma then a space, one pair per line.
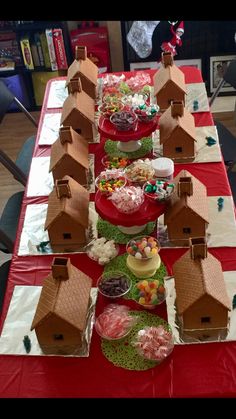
127, 200
114, 284
139, 172
108, 109
149, 293
158, 190
124, 120
154, 343
102, 250
115, 322
110, 180
115, 162
143, 247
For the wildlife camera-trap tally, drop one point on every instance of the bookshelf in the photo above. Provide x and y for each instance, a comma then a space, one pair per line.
38, 52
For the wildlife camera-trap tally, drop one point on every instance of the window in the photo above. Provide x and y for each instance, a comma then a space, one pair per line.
58, 337
205, 319
78, 130
178, 149
186, 230
66, 236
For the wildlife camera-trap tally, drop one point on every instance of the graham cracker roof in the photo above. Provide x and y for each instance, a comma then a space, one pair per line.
66, 299
80, 102
169, 124
195, 278
76, 150
197, 202
85, 67
169, 74
75, 207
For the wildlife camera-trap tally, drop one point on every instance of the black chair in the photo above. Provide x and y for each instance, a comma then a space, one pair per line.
227, 143
19, 169
4, 272
228, 77
9, 222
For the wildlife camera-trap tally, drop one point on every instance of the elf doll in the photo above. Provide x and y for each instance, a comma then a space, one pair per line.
175, 41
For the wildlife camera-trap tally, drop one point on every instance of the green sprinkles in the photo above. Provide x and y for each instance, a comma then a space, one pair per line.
112, 150
111, 232
119, 264
122, 353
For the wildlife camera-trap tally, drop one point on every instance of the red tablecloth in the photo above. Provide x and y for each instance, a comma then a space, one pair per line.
205, 370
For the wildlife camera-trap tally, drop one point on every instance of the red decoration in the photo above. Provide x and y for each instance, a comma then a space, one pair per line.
175, 40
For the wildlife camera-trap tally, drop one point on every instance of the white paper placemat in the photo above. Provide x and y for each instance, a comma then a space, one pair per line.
221, 231
33, 233
50, 128
41, 180
19, 319
57, 94
197, 91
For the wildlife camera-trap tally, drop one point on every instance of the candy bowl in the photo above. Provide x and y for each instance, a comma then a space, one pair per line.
127, 200
110, 180
102, 250
124, 120
146, 113
115, 162
112, 97
158, 190
143, 247
149, 293
139, 172
114, 284
135, 99
115, 322
107, 109
154, 343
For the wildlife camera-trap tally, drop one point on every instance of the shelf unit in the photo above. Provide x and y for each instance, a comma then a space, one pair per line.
21, 29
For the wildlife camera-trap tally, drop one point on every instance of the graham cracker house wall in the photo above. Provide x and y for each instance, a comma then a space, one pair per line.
201, 297
67, 215
78, 111
85, 69
61, 313
169, 82
69, 156
178, 133
187, 214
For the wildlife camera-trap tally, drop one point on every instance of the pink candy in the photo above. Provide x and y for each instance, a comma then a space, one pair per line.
114, 322
154, 343
128, 199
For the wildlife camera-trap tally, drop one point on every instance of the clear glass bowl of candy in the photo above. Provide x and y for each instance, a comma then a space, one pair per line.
139, 172
154, 343
146, 113
108, 109
110, 180
102, 250
143, 247
114, 162
127, 200
115, 322
114, 284
135, 99
158, 190
124, 120
149, 293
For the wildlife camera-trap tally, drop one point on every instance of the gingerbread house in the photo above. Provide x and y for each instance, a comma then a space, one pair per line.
169, 82
178, 133
69, 156
187, 214
201, 297
85, 69
78, 111
61, 314
67, 215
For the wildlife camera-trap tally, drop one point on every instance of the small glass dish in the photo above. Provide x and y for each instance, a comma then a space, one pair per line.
107, 183
128, 200
115, 162
154, 343
114, 284
139, 172
146, 113
102, 250
124, 120
112, 97
158, 190
143, 247
108, 109
149, 293
115, 322
134, 99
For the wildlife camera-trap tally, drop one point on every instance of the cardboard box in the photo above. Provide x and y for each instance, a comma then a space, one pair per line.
60, 49
51, 49
26, 52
